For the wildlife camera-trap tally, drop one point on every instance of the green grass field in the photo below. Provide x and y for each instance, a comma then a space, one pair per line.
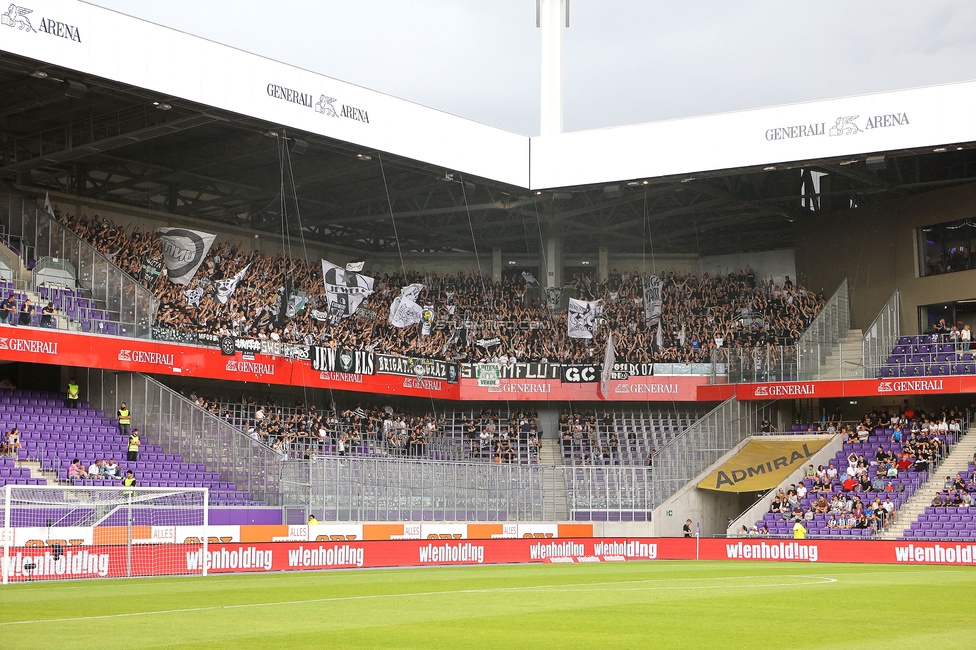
627, 605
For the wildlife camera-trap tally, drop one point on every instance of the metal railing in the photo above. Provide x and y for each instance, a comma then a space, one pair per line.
881, 337
826, 330
130, 307
700, 445
166, 418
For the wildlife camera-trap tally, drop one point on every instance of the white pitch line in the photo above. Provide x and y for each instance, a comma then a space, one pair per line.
555, 588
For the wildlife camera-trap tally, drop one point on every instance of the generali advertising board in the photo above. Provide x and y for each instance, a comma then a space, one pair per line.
678, 388
37, 345
39, 563
845, 388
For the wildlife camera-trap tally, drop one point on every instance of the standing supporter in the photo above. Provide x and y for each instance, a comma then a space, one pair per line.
47, 315
26, 312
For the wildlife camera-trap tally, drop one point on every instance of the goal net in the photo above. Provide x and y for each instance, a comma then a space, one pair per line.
61, 533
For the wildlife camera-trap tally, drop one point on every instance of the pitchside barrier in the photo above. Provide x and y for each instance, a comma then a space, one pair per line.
200, 559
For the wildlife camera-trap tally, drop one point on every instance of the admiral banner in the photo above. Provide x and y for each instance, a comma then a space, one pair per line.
762, 465
417, 367
357, 362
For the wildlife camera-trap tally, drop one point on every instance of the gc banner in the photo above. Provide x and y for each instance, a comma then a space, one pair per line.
761, 465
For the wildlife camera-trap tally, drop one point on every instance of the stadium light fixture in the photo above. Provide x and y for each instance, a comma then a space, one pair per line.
163, 106
538, 193
939, 150
771, 168
511, 262
39, 74
363, 156
875, 162
75, 89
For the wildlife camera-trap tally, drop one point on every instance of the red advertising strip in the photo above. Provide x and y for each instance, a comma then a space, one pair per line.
179, 559
81, 350
842, 388
678, 388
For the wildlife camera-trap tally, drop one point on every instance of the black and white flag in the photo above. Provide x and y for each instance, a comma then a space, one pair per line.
609, 358
193, 296
553, 296
405, 311
183, 252
345, 288
225, 288
582, 318
529, 279
653, 300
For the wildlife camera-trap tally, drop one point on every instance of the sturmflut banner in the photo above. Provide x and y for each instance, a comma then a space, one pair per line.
762, 465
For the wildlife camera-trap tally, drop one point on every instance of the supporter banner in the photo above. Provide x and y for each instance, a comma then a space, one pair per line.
643, 389
578, 374
488, 374
581, 323
40, 563
624, 370
416, 367
518, 371
80, 350
344, 289
841, 388
761, 465
606, 370
653, 300
405, 311
357, 362
225, 288
183, 252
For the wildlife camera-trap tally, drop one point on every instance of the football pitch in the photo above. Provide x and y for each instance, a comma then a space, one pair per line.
620, 605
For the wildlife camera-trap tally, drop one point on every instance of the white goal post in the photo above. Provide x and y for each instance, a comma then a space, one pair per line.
66, 532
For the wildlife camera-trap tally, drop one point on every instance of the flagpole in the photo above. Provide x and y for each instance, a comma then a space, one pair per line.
697, 540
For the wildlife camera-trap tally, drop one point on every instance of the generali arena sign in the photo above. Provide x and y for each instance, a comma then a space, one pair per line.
39, 563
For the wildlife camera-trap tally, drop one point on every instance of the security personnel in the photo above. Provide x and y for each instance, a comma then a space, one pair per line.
134, 443
312, 521
129, 481
125, 419
74, 392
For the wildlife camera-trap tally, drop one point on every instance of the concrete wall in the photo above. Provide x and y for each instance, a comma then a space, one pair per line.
709, 508
874, 247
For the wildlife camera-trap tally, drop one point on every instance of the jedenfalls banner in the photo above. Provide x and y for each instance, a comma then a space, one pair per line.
762, 464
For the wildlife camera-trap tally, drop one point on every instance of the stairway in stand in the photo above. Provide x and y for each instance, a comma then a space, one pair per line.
957, 461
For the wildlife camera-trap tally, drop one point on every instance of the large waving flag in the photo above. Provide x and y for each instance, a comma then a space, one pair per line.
183, 252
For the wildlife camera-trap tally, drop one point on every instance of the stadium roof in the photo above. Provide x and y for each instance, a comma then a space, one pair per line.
192, 127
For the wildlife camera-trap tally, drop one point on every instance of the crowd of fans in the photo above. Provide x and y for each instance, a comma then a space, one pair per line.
701, 314
304, 430
859, 496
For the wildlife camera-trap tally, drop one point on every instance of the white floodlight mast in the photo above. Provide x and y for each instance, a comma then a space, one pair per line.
550, 18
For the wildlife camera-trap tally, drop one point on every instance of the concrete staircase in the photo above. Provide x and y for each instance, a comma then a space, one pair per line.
554, 479
37, 472
957, 461
845, 359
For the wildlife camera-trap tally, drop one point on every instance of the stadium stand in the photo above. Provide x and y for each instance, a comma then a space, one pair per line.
700, 314
885, 459
55, 435
930, 355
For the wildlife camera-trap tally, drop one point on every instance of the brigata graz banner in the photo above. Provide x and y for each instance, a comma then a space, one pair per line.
43, 563
387, 364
